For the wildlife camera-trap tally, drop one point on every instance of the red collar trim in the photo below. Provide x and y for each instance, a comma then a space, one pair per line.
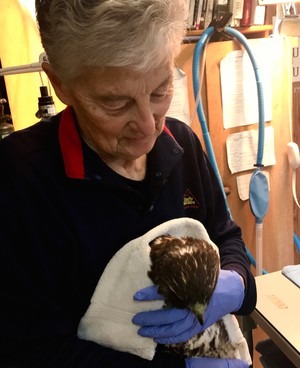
70, 145
166, 130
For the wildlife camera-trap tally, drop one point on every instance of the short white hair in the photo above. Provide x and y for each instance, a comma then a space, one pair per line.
140, 34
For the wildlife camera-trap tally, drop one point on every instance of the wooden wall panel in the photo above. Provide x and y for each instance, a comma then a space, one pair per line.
296, 125
278, 222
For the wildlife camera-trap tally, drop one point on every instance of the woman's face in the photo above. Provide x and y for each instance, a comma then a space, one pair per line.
121, 112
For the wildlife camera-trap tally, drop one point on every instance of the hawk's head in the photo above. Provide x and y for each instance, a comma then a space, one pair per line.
185, 270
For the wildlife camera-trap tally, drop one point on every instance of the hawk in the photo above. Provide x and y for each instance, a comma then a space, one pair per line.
186, 271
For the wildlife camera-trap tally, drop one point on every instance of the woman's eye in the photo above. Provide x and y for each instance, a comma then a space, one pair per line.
116, 105
161, 95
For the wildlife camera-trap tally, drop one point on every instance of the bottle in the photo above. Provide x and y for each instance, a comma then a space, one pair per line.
5, 127
46, 105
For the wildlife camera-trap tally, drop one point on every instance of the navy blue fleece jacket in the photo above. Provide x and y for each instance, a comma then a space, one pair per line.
65, 214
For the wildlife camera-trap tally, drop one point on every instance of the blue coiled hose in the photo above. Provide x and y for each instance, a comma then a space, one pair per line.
205, 37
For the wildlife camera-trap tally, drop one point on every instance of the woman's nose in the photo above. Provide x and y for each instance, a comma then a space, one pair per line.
145, 119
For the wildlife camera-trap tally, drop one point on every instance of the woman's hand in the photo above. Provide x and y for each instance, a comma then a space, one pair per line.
165, 326
227, 297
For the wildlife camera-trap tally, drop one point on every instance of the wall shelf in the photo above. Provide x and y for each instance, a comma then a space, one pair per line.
249, 32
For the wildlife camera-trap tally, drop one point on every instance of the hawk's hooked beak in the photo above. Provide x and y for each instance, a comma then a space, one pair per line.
199, 310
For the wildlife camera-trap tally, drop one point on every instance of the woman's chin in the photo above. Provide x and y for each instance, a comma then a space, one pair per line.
141, 148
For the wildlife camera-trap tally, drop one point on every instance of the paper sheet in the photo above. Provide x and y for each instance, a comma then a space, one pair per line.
242, 149
239, 87
243, 184
179, 107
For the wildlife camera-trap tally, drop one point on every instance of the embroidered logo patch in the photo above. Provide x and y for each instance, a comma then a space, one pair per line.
189, 200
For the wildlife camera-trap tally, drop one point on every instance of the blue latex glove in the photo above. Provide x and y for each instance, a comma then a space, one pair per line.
173, 325
215, 363
165, 326
227, 297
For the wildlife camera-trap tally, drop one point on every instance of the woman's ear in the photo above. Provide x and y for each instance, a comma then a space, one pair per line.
59, 86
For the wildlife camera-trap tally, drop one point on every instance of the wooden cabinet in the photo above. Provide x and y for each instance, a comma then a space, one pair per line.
296, 138
278, 246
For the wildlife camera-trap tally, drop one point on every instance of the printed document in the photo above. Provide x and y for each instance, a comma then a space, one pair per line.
239, 87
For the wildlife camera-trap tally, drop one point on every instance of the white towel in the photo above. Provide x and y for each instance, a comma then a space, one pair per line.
108, 320
292, 272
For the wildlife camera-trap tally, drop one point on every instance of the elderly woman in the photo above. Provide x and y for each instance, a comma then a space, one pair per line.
104, 171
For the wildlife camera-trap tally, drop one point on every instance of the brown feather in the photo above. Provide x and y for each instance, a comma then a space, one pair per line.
186, 272
184, 269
